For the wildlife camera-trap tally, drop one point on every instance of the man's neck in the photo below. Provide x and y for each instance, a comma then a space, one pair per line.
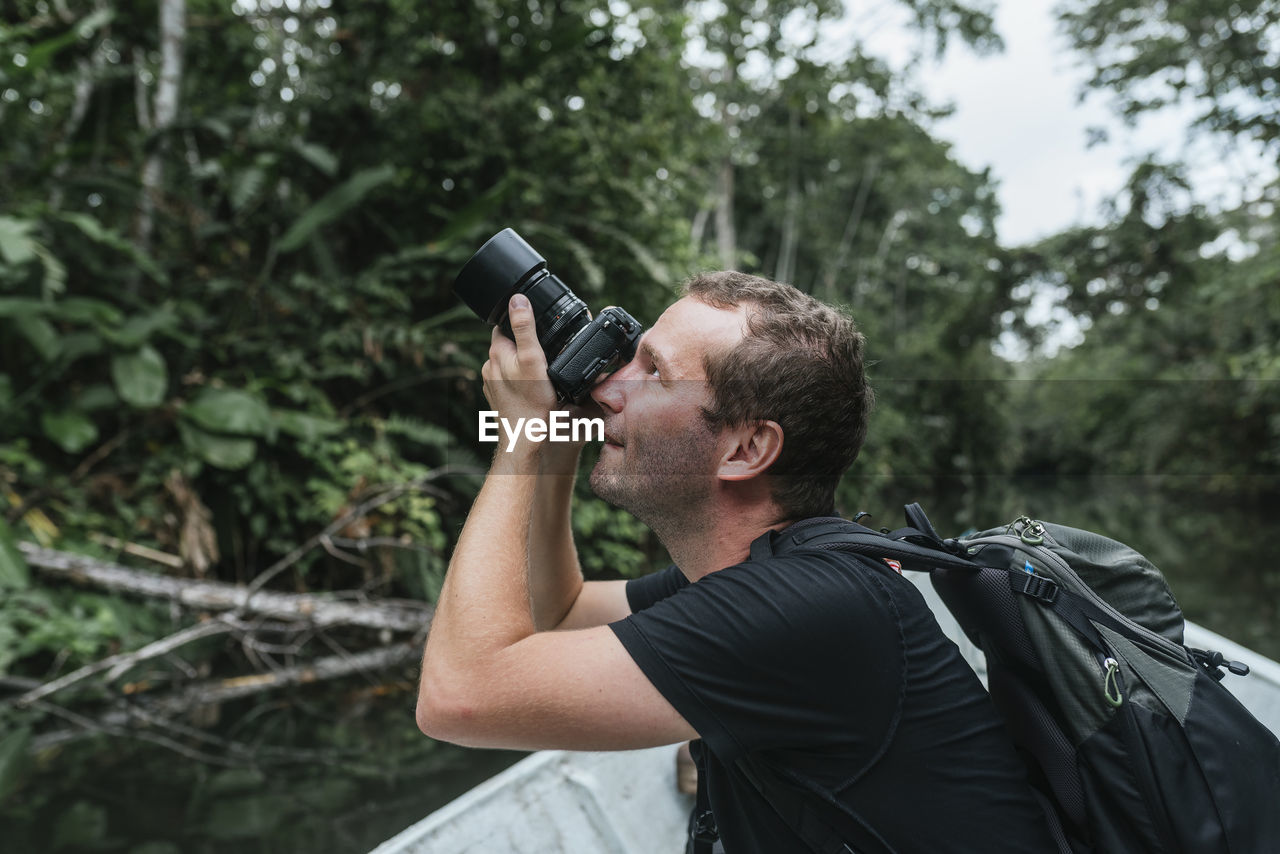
724, 539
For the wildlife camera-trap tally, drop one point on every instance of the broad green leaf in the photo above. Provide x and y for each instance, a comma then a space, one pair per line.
318, 156
97, 397
228, 410
431, 435
81, 825
139, 329
224, 452
13, 568
475, 214
16, 245
77, 345
72, 431
86, 310
112, 239
245, 187
248, 818
41, 335
55, 274
304, 426
13, 759
334, 205
141, 377
23, 307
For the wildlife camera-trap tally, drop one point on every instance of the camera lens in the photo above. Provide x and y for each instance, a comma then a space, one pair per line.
507, 265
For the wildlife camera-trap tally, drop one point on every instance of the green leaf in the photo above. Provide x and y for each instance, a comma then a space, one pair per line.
42, 337
72, 431
14, 574
334, 205
318, 156
224, 452
137, 330
13, 759
141, 377
245, 186
227, 410
81, 825
55, 274
6, 391
77, 345
475, 214
112, 239
252, 817
431, 435
97, 397
23, 307
86, 310
304, 426
16, 245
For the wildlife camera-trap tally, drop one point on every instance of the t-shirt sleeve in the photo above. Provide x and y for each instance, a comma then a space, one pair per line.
771, 655
654, 587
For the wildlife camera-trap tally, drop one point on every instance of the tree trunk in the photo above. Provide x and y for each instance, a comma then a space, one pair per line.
173, 36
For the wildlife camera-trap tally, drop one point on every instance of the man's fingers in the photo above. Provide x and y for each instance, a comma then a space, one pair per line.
523, 327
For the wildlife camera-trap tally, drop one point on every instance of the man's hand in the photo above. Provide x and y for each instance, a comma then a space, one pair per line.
517, 386
515, 377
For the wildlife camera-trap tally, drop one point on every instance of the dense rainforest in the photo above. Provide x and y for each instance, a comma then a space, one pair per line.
238, 396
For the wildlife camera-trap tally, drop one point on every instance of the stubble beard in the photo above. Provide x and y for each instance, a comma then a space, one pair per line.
666, 483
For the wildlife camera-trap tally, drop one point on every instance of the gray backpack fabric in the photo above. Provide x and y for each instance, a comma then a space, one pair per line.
1127, 735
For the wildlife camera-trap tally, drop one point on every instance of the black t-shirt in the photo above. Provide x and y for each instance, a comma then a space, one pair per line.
831, 668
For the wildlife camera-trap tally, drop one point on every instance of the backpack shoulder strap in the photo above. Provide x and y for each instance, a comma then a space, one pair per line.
915, 549
795, 810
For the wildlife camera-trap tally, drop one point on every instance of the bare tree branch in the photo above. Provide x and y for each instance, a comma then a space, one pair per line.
132, 718
118, 664
312, 609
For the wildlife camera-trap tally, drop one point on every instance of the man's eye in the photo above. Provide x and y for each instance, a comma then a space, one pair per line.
653, 371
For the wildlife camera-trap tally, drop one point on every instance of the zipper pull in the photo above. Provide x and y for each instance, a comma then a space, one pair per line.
1111, 683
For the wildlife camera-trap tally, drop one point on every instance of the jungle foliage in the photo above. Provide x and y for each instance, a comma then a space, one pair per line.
228, 233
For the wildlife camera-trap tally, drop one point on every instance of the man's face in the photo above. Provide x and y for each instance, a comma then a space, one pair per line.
659, 456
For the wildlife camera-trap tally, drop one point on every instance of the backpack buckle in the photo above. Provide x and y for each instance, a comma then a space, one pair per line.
1038, 587
704, 827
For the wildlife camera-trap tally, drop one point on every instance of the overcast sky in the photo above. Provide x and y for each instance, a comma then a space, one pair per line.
1018, 113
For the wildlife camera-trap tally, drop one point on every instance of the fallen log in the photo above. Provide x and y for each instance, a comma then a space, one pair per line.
318, 610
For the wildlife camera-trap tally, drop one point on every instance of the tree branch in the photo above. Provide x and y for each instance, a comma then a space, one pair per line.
118, 664
316, 610
132, 718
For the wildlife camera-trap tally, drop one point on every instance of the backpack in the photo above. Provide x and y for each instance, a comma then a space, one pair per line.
1131, 743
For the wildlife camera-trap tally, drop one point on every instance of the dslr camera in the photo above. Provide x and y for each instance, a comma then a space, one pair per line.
579, 347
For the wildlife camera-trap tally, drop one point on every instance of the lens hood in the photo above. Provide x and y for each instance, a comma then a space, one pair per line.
504, 263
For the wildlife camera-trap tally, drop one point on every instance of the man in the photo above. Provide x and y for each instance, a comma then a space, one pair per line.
744, 404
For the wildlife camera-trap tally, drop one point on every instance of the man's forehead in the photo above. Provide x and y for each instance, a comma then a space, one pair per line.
691, 327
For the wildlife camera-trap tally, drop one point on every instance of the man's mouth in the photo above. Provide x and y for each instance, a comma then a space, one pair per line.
611, 440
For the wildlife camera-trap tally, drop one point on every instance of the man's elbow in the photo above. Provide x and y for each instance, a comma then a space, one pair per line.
444, 713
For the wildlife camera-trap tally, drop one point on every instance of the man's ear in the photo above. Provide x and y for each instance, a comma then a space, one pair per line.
751, 449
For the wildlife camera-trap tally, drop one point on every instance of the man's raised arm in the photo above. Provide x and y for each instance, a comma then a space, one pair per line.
489, 677
559, 597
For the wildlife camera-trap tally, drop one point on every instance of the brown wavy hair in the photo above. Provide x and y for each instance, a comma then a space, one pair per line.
801, 365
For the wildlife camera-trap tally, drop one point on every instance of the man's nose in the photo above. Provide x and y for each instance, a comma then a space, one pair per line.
609, 392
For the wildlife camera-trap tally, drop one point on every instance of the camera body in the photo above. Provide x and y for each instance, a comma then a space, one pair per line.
578, 347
